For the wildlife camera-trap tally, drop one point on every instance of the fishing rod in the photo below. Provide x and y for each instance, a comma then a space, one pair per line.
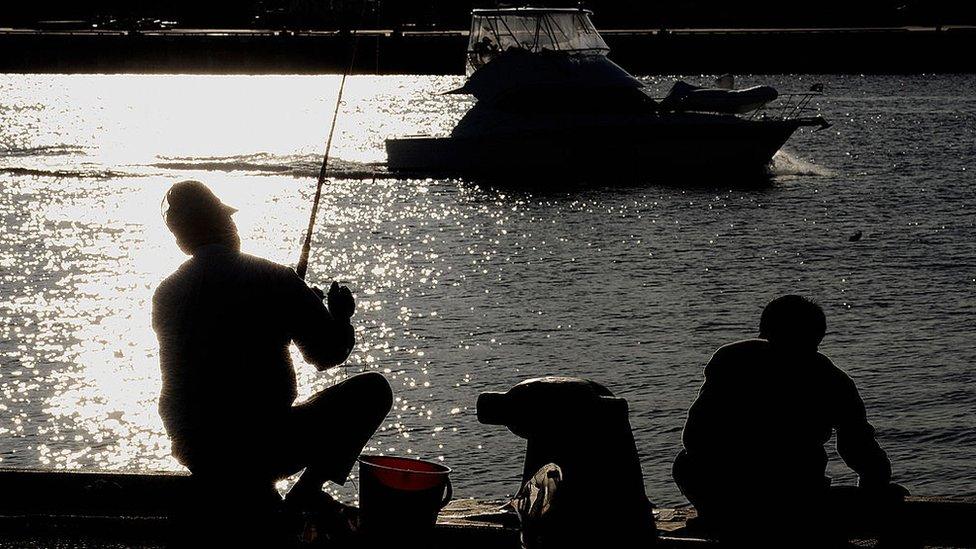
302, 267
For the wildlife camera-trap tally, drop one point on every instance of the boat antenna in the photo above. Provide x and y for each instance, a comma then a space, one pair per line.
302, 267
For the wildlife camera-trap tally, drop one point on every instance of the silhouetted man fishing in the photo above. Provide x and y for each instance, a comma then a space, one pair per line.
224, 321
754, 439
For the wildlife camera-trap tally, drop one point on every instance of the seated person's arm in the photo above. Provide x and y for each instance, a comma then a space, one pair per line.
704, 416
855, 440
323, 339
177, 388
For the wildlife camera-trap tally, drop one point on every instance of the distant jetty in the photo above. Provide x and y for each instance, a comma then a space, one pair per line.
642, 51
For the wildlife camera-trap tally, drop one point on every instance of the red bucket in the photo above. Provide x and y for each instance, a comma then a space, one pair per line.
401, 496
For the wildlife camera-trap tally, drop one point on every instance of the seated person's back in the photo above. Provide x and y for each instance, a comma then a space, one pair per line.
764, 414
755, 435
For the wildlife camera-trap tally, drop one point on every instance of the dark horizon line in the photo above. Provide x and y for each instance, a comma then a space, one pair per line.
455, 14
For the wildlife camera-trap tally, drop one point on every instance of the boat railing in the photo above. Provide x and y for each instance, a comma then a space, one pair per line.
481, 56
786, 106
789, 106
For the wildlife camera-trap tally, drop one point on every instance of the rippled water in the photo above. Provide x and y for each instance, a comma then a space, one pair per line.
465, 288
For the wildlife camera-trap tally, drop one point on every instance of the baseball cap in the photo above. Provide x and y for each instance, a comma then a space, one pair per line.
192, 200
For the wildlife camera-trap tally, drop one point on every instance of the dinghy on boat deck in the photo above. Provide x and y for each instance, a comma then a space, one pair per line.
686, 97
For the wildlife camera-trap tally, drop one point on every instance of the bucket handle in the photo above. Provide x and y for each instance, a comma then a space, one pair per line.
448, 493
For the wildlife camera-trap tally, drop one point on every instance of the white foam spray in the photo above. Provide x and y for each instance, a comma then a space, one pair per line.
786, 165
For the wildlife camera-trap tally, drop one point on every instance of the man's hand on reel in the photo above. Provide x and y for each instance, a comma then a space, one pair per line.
339, 300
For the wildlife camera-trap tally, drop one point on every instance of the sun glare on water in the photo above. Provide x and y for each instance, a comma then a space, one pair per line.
83, 254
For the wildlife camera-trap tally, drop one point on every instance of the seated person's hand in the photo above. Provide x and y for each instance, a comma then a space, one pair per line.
318, 292
341, 303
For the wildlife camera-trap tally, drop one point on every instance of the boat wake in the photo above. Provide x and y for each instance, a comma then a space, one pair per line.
66, 173
785, 165
58, 161
47, 150
298, 166
61, 162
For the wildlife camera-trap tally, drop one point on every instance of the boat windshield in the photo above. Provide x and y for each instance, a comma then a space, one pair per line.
532, 30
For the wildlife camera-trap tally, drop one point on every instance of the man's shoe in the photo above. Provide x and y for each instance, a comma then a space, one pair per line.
327, 521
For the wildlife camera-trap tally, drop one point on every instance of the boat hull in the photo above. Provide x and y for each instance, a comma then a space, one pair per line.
689, 144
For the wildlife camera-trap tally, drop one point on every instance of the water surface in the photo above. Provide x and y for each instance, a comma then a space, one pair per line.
464, 287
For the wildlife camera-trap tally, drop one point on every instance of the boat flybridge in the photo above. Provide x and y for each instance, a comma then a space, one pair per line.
550, 101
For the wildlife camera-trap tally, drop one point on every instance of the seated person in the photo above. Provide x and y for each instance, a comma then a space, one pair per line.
224, 321
754, 439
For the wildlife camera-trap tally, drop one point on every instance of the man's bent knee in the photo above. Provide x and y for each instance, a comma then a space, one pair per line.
374, 390
686, 476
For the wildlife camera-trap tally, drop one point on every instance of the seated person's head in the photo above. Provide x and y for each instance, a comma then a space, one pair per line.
794, 323
196, 217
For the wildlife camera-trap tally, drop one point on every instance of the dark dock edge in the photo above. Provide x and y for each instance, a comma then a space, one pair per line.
131, 507
899, 50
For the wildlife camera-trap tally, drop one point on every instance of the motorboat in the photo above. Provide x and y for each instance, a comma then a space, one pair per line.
548, 99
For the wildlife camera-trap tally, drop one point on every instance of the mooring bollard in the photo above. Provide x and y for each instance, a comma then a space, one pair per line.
581, 427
